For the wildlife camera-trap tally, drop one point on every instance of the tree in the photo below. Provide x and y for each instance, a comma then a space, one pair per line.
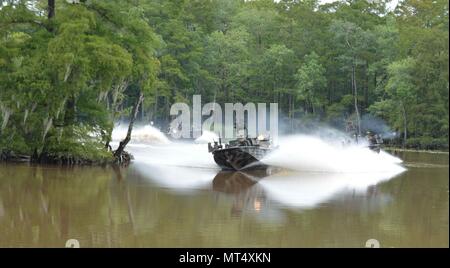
402, 93
227, 59
141, 42
354, 43
311, 82
64, 83
69, 71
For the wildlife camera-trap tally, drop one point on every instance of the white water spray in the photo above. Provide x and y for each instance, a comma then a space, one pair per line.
301, 152
178, 166
207, 136
322, 167
311, 154
146, 134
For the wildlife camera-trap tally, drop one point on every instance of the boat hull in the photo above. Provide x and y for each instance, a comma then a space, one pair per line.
376, 148
239, 158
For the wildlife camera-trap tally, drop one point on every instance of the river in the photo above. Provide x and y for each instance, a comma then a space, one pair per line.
155, 203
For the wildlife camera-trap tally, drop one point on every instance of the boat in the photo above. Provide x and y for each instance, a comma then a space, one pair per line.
375, 142
372, 142
241, 153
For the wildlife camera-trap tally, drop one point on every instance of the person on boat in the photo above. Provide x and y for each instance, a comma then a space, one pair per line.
351, 130
371, 138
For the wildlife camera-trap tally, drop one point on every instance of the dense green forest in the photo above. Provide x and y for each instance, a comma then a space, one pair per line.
68, 71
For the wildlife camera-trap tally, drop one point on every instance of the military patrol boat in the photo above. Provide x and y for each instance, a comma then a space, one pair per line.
241, 153
375, 142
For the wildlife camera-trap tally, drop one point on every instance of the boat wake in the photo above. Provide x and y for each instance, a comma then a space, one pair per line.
312, 154
309, 170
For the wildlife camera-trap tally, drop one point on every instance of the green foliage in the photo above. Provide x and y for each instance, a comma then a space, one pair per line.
311, 81
337, 112
427, 143
227, 59
85, 68
62, 83
74, 144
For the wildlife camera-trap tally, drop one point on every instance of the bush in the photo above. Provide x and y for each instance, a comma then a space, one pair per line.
413, 143
427, 143
438, 143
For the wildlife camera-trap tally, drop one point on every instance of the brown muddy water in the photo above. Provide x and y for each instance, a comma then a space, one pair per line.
155, 206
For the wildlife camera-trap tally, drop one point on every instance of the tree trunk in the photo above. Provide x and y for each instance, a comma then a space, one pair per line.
405, 125
125, 141
51, 9
366, 87
291, 101
293, 115
355, 94
311, 102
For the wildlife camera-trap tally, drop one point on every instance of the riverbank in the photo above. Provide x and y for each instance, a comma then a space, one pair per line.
396, 149
100, 159
422, 144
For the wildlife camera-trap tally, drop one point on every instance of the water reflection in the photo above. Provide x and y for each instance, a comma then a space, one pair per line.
308, 190
236, 182
268, 195
142, 206
248, 198
178, 179
241, 187
267, 189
